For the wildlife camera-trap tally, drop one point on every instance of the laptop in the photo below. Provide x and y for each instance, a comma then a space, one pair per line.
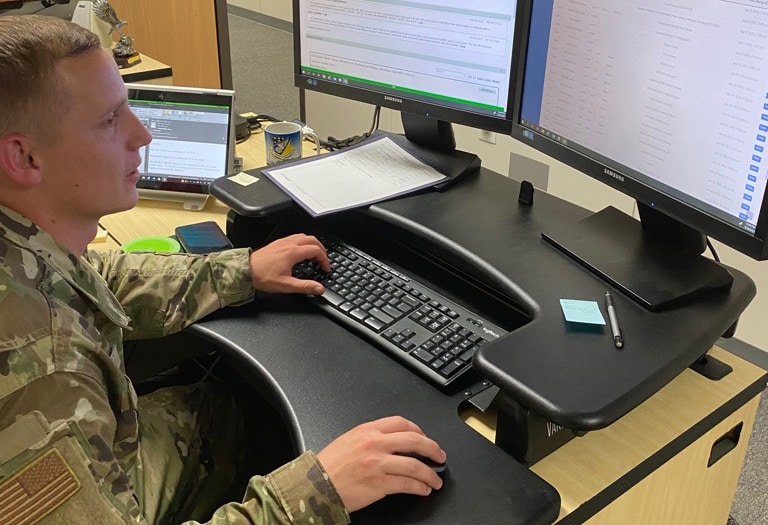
192, 141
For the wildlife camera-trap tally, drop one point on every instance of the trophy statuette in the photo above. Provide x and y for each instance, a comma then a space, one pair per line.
123, 51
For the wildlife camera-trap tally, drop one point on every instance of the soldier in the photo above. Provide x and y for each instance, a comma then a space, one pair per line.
76, 443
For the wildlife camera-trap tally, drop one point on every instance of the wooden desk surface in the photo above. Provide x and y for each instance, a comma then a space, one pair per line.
252, 151
160, 218
148, 70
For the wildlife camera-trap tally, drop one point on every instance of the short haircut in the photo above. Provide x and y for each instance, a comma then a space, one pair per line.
32, 101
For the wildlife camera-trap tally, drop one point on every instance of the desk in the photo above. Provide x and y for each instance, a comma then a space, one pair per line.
682, 490
644, 467
148, 71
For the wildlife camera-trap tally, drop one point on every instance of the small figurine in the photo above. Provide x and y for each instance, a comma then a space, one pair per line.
123, 51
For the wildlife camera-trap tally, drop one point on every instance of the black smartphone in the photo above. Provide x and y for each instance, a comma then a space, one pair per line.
202, 237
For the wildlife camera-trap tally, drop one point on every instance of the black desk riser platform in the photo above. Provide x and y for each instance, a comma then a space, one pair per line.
576, 379
327, 379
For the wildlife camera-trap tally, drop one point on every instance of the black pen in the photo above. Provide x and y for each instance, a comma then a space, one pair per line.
618, 340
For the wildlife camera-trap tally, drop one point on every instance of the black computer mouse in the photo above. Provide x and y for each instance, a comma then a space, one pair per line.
439, 468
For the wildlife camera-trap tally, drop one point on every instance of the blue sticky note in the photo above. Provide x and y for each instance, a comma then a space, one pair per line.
584, 312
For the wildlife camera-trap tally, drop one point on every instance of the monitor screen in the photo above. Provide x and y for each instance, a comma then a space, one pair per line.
448, 60
664, 101
192, 142
189, 143
671, 97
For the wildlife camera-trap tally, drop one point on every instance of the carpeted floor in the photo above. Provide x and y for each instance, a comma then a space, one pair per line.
262, 62
750, 506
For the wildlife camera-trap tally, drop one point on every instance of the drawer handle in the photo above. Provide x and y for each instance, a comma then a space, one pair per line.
724, 444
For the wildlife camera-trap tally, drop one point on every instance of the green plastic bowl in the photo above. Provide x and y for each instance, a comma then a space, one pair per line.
152, 244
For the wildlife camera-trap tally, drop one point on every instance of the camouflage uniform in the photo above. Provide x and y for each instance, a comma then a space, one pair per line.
74, 444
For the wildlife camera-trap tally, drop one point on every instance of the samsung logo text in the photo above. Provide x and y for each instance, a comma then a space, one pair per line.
613, 174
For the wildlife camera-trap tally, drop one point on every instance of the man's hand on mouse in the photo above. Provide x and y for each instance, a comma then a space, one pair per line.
364, 464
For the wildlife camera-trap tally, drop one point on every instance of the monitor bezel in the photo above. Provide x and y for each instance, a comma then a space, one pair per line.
397, 101
625, 181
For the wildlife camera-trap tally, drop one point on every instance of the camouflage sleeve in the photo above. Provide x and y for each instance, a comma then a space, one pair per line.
164, 293
296, 493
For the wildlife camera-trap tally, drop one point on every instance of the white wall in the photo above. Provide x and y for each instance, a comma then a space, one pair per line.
341, 118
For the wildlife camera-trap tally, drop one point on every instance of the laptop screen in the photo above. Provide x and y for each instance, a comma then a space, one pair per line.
191, 130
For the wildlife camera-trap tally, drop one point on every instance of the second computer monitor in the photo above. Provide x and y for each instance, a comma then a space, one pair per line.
664, 101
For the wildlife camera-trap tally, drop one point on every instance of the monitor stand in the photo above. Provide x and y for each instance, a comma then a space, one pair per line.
436, 140
656, 268
190, 201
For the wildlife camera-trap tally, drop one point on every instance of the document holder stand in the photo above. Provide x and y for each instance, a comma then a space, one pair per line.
524, 434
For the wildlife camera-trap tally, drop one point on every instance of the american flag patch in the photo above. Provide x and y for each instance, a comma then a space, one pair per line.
36, 490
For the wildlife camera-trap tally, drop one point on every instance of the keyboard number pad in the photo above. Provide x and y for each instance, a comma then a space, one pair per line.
447, 351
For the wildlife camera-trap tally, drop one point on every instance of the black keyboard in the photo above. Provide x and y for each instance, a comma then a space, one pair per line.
429, 333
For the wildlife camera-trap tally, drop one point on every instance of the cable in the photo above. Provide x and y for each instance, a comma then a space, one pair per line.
261, 117
254, 123
332, 143
375, 123
712, 250
245, 137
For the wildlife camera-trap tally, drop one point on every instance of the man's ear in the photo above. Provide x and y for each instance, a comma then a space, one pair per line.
17, 160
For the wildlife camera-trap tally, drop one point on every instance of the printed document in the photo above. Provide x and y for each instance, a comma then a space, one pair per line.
370, 172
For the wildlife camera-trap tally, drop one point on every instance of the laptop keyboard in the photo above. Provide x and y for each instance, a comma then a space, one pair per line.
427, 332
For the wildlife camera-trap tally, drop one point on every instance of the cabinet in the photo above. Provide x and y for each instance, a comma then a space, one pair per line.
652, 465
191, 36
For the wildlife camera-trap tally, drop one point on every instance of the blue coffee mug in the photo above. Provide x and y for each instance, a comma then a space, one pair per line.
283, 141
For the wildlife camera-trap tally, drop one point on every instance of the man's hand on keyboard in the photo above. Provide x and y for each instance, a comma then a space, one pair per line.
365, 464
271, 266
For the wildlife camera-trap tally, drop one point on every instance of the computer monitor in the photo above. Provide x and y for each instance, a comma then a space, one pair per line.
668, 103
59, 8
192, 140
438, 62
